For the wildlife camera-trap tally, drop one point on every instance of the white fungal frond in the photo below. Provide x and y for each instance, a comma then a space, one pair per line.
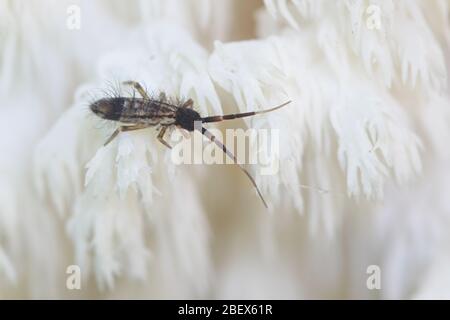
367, 124
369, 114
8, 228
380, 36
119, 183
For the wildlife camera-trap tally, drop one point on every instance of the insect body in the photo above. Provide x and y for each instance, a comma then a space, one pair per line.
140, 113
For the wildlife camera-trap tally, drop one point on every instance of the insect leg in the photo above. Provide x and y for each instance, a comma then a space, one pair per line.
241, 115
211, 137
138, 87
188, 104
124, 129
111, 138
161, 137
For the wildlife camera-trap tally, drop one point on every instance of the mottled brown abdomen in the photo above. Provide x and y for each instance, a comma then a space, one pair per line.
135, 111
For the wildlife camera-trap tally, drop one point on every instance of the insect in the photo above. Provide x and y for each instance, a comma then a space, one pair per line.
140, 113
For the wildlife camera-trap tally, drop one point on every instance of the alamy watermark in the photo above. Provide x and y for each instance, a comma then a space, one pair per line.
373, 21
73, 281
373, 281
73, 21
249, 147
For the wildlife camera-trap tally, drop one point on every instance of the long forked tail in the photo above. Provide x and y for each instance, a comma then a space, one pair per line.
241, 115
211, 137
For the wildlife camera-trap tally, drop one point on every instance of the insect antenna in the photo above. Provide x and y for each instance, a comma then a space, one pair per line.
241, 115
211, 137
